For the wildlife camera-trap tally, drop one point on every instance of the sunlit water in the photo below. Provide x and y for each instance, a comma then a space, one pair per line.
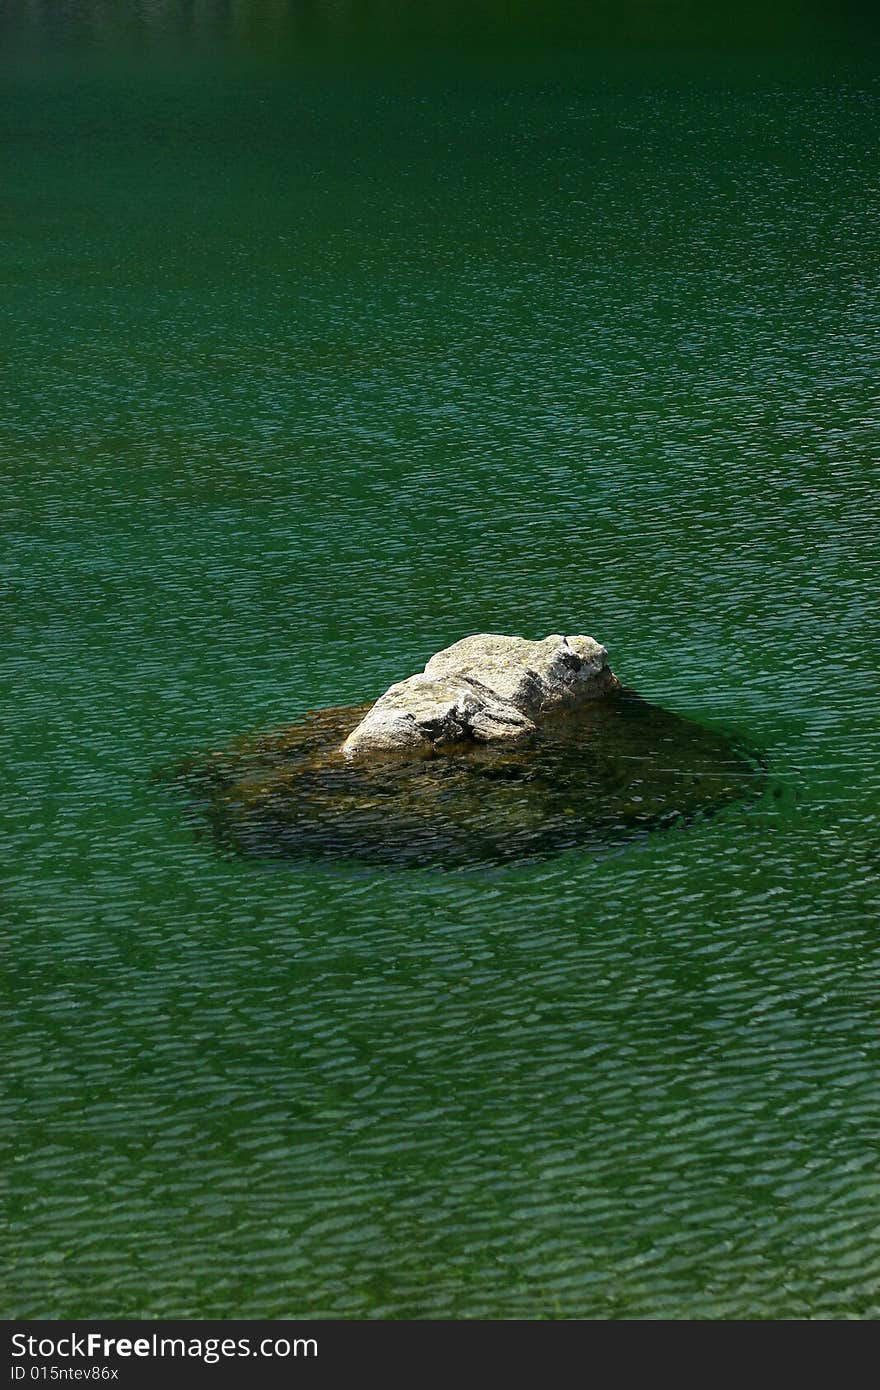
310, 371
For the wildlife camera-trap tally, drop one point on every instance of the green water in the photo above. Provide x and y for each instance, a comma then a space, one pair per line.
311, 368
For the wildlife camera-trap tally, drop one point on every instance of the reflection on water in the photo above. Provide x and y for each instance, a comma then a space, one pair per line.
467, 24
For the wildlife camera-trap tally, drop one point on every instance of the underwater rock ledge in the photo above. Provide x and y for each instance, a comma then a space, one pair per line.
501, 750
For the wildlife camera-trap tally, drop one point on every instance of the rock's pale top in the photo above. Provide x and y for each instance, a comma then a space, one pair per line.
483, 688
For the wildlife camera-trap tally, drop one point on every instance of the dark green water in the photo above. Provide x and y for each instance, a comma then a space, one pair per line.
309, 370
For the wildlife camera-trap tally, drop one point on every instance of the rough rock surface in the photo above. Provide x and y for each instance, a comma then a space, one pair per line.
482, 689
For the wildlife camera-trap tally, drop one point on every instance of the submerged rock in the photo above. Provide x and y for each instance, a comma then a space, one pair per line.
573, 770
483, 689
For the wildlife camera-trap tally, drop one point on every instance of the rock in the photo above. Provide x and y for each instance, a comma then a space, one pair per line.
483, 689
499, 751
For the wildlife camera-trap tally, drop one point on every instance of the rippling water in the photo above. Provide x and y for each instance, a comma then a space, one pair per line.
310, 372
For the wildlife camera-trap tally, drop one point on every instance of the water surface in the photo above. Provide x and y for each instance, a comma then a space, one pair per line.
310, 370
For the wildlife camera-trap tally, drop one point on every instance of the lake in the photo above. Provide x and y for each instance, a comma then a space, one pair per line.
320, 354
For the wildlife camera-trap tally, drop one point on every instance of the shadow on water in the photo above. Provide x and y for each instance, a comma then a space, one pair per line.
608, 773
